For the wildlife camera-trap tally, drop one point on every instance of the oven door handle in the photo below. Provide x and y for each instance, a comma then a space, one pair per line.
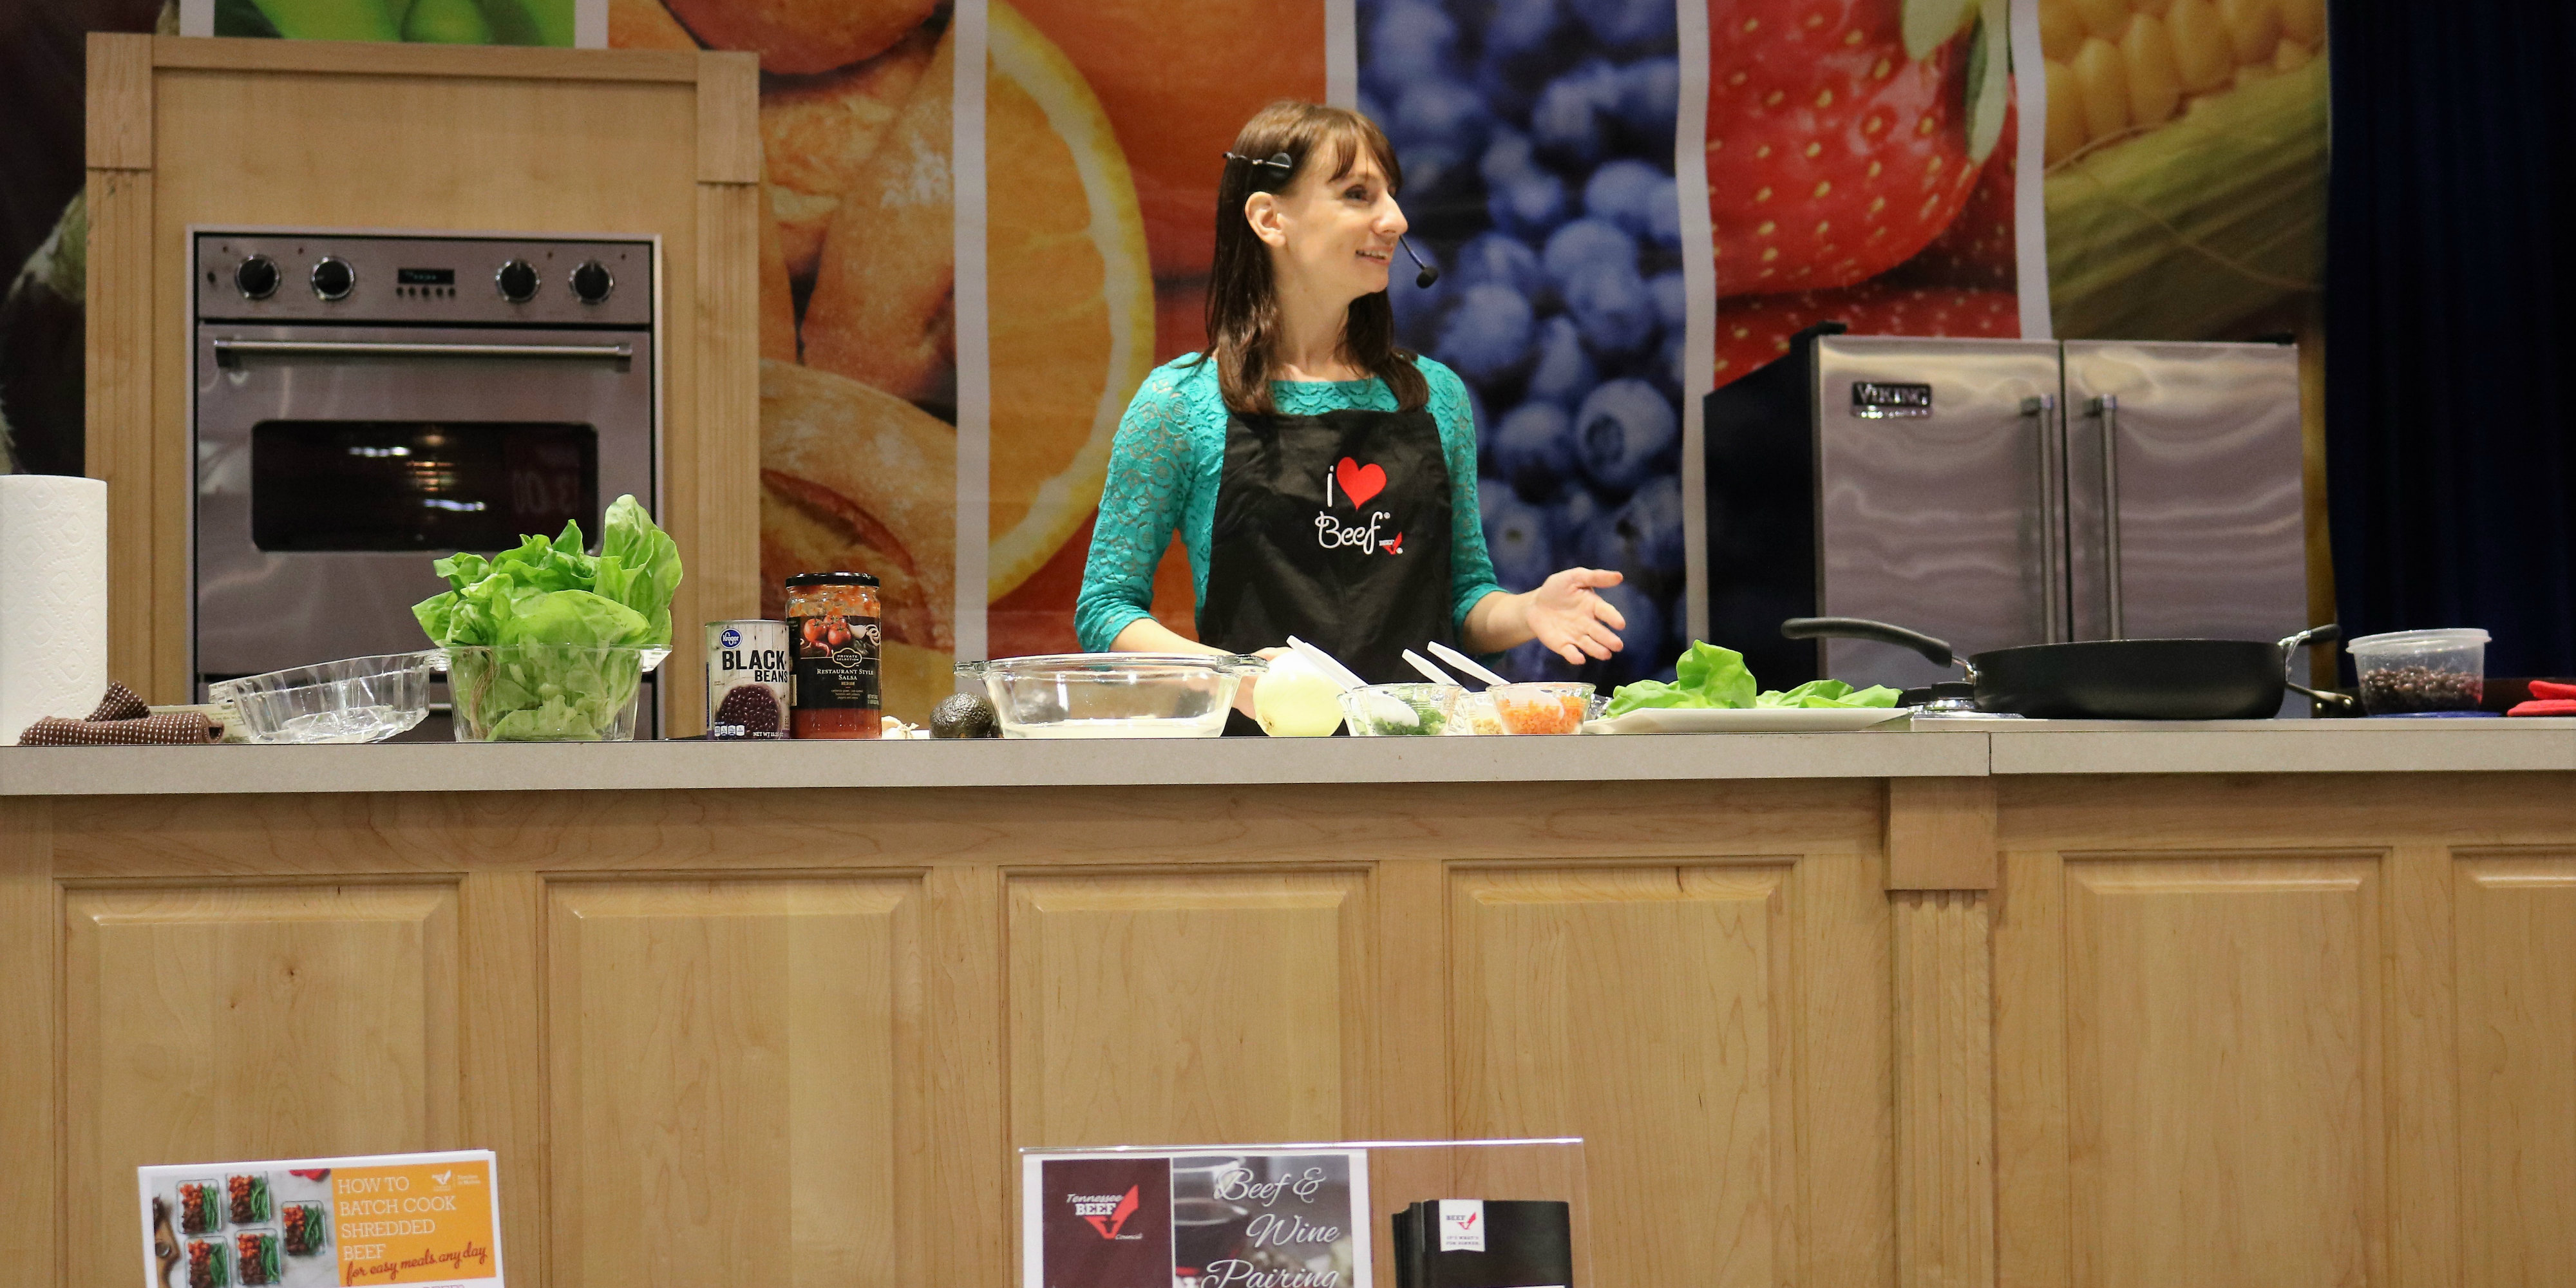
228, 351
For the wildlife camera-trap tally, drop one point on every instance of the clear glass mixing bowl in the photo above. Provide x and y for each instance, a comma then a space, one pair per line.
358, 699
1112, 695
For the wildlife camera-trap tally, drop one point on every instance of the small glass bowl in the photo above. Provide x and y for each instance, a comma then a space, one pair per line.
1542, 706
1402, 710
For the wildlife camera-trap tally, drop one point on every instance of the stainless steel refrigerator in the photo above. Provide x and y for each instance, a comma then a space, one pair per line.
2003, 492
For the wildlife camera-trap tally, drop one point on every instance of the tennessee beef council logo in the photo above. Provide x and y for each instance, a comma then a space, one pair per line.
1106, 1213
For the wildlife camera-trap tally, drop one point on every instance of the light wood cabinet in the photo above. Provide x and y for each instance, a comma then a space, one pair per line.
2279, 1031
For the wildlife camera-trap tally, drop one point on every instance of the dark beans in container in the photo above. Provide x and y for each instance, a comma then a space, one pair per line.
2394, 690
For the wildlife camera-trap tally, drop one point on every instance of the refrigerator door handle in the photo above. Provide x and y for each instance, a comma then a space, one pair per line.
2106, 408
2042, 411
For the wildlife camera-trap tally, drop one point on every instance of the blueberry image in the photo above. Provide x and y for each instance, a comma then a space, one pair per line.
1410, 41
1610, 303
1531, 661
1564, 372
1569, 520
1520, 26
1504, 260
1664, 216
1623, 431
1628, 22
1581, 247
1418, 310
1645, 535
1508, 156
1491, 493
1534, 449
1642, 646
1488, 333
1671, 299
1529, 204
1622, 191
1516, 537
1650, 93
1668, 364
1569, 125
1437, 112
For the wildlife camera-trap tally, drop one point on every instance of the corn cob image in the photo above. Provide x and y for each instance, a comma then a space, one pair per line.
2186, 147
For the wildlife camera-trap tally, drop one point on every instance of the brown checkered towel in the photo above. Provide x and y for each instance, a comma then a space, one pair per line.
122, 720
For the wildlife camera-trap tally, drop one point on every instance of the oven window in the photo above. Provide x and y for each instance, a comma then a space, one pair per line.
418, 485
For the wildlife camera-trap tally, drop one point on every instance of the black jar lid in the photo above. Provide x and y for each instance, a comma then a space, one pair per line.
833, 579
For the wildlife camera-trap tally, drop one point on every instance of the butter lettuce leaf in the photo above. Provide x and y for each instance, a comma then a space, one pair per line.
1711, 678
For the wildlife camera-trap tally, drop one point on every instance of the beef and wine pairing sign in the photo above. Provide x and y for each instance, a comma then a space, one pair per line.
1208, 1219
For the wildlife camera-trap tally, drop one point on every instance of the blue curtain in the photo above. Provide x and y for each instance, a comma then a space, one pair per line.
2451, 473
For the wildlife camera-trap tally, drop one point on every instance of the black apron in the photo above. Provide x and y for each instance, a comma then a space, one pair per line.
1334, 529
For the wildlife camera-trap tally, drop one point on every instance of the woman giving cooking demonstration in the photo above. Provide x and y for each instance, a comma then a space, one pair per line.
1323, 481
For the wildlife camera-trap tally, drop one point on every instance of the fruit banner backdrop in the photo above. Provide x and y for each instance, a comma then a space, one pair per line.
986, 220
562, 24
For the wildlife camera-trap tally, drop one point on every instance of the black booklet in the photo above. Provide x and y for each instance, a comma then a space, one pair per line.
1484, 1243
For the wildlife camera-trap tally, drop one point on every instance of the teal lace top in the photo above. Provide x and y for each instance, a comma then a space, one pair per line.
1169, 454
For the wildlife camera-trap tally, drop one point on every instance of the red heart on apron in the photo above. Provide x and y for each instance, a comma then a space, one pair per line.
1359, 482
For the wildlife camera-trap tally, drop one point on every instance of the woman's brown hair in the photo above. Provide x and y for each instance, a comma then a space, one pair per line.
1243, 297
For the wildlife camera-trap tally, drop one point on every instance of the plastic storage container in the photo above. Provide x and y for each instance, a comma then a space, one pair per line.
1403, 710
2406, 672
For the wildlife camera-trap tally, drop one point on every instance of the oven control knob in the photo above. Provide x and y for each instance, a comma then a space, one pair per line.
517, 281
591, 282
257, 277
333, 278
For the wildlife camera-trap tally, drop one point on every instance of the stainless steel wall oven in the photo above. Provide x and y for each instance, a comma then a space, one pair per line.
366, 402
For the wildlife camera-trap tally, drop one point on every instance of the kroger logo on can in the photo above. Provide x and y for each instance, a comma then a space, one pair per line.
732, 638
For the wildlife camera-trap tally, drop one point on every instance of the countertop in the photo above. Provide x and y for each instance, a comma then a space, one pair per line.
1929, 749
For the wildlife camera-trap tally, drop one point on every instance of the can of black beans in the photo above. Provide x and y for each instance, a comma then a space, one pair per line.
750, 675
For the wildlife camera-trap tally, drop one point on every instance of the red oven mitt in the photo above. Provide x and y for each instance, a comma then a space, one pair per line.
2547, 699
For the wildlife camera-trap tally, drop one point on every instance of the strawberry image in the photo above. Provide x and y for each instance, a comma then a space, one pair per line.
1976, 250
1754, 330
1834, 153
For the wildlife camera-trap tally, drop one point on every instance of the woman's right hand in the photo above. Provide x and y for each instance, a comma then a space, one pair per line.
1243, 691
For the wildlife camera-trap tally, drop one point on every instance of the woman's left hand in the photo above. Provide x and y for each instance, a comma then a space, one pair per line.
1567, 616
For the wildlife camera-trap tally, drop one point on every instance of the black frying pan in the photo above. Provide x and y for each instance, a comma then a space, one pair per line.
2105, 679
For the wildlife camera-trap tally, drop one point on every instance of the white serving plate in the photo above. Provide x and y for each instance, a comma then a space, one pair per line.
1749, 720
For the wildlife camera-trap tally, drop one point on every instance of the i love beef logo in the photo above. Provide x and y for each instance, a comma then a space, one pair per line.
1355, 485
1107, 1222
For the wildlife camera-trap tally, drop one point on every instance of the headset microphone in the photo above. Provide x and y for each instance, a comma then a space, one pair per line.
1428, 275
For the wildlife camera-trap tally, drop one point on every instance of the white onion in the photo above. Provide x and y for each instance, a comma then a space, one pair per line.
1294, 700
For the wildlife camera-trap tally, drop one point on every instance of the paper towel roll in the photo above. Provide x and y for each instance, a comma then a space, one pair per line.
53, 598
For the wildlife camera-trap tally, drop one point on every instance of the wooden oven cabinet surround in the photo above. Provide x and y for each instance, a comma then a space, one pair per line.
188, 131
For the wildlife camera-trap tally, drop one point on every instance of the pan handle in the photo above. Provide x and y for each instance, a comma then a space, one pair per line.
2291, 644
1861, 628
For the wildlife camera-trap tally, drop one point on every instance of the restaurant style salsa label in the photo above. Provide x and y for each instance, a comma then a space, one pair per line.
429, 1219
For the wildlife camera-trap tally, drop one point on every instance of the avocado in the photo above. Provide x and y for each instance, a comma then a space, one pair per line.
961, 715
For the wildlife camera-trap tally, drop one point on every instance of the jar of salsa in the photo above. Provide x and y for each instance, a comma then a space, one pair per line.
832, 624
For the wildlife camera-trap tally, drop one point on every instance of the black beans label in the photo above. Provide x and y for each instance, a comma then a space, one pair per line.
836, 662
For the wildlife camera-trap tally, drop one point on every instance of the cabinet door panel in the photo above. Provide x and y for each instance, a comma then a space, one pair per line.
2222, 1067
736, 1088
2517, 1033
1174, 1009
212, 1024
1659, 1013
